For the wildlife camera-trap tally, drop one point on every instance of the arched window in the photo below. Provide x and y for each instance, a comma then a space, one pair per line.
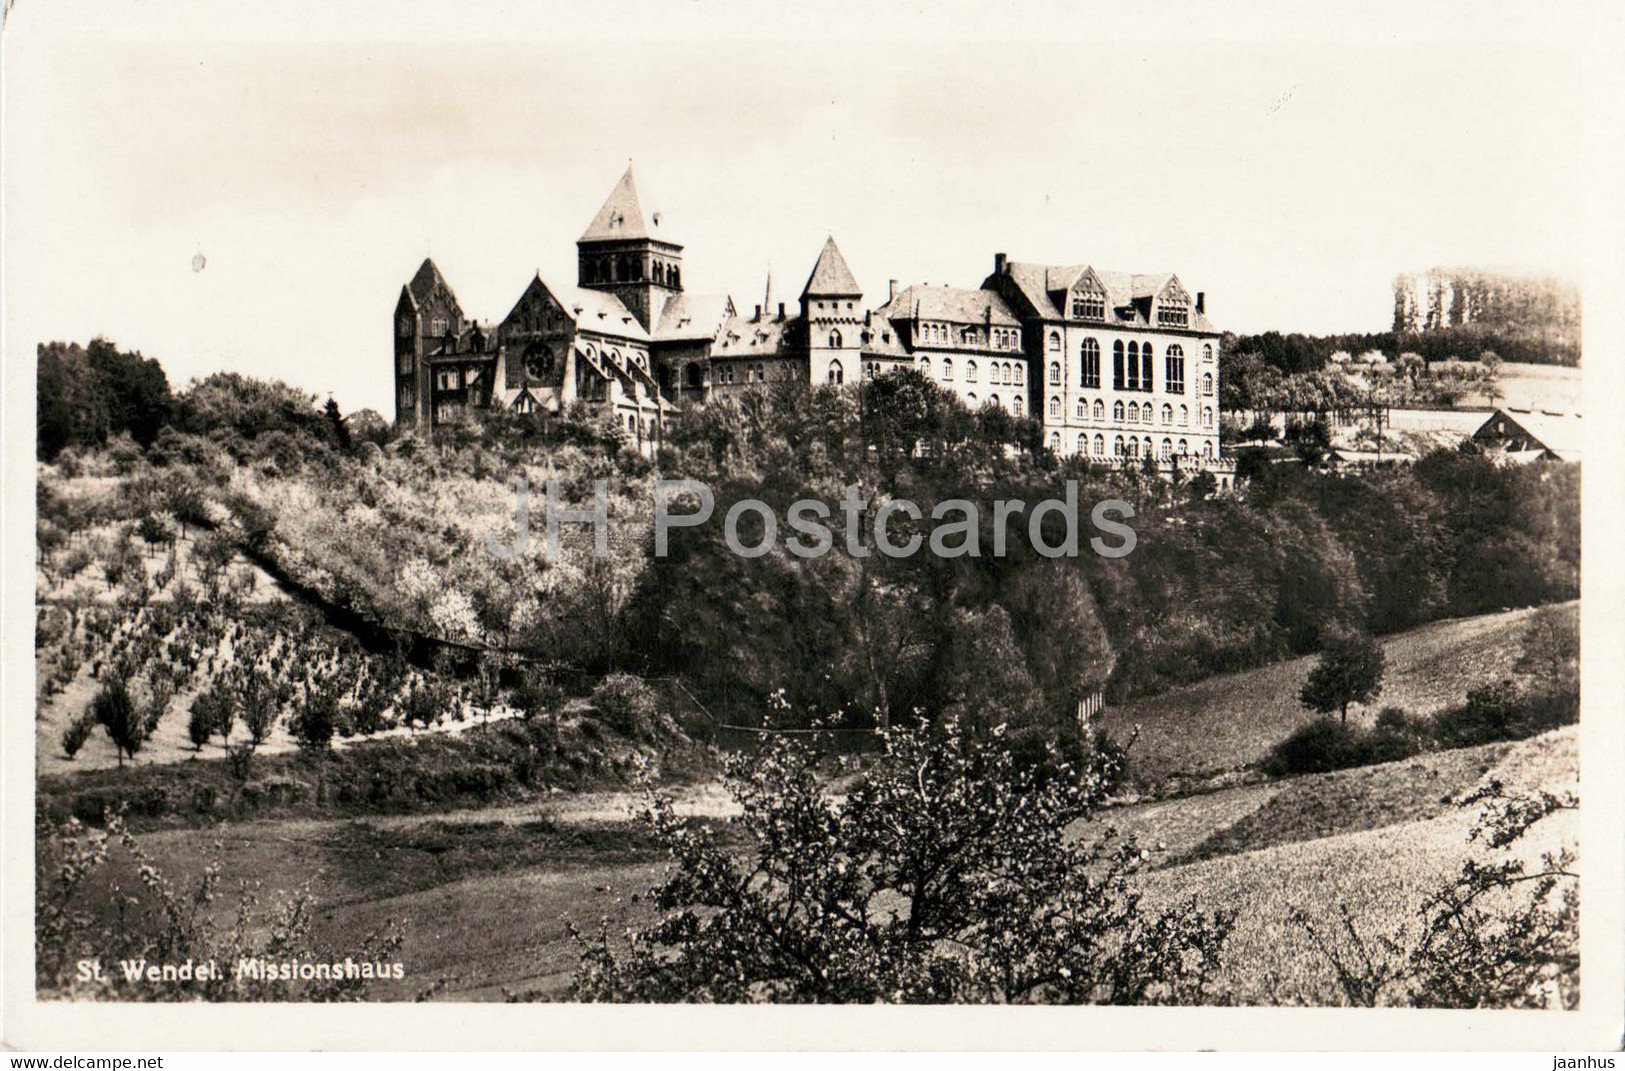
1167, 414
1117, 447
1083, 445
1055, 342
947, 368
1055, 441
1009, 372
1117, 365
993, 400
1148, 448
970, 371
1091, 364
1146, 359
835, 373
1100, 409
1207, 417
1145, 413
1184, 416
834, 340
1167, 449
1184, 448
970, 399
1117, 412
1133, 367
1055, 373
1207, 354
1133, 447
1082, 409
1207, 384
631, 423
1174, 371
1015, 405
925, 366
1207, 451
1133, 412
1055, 409
1100, 446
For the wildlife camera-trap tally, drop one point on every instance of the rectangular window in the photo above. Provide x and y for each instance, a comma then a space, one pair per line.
1088, 306
1173, 315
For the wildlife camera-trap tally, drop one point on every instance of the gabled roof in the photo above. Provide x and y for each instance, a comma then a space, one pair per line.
1128, 295
594, 310
1559, 434
423, 284
742, 336
623, 216
690, 317
590, 310
950, 304
830, 276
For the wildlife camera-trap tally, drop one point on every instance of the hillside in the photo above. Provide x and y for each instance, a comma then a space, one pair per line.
1217, 728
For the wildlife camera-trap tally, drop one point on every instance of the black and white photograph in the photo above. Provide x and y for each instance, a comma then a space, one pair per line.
1047, 505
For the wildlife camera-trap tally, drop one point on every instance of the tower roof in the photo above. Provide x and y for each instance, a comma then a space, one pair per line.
831, 276
623, 216
424, 282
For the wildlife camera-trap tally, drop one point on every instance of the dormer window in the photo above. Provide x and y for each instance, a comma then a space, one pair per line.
1173, 314
1088, 305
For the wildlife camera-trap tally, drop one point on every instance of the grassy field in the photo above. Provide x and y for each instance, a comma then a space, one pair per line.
1216, 728
486, 897
1379, 874
486, 900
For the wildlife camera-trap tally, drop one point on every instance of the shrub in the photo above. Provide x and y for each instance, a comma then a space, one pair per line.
1317, 747
945, 875
77, 732
628, 706
1500, 712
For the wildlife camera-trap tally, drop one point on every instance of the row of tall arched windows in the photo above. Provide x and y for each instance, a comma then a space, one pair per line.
994, 400
1132, 369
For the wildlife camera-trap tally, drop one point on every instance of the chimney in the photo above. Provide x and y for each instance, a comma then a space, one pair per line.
758, 316
1000, 263
781, 310
892, 290
1201, 301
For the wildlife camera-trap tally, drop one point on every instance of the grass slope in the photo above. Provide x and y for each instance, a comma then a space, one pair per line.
1222, 725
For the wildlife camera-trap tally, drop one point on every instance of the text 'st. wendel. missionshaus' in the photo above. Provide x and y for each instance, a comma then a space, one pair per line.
1115, 366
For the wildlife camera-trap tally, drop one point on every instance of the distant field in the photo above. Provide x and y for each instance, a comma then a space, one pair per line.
1222, 725
1538, 386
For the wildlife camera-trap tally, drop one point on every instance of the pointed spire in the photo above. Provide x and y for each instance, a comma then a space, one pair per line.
623, 215
767, 295
424, 282
830, 276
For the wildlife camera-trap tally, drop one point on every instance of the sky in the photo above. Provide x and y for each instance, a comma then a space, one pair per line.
251, 195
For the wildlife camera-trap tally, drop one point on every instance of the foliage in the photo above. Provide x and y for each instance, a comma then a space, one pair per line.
630, 707
943, 875
77, 732
87, 395
116, 712
99, 896
1349, 671
1503, 933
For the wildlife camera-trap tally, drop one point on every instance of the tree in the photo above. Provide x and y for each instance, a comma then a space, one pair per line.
945, 875
203, 719
116, 712
1349, 671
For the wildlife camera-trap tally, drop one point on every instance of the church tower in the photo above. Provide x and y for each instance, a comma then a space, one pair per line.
427, 315
832, 305
626, 252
